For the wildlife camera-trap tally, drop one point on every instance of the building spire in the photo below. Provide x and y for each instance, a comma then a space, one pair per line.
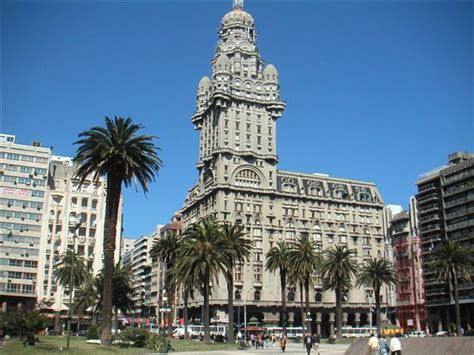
238, 4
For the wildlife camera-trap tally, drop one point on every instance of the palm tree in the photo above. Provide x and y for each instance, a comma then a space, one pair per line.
277, 258
71, 269
453, 261
375, 273
337, 268
87, 300
122, 278
68, 262
119, 153
166, 249
202, 260
237, 249
304, 262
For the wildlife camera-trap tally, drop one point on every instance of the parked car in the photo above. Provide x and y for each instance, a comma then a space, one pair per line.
442, 334
80, 333
415, 334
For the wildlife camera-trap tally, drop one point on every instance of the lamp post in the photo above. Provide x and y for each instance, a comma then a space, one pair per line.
71, 283
369, 298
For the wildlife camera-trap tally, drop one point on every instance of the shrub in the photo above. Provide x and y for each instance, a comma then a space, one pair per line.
22, 322
134, 337
92, 332
159, 343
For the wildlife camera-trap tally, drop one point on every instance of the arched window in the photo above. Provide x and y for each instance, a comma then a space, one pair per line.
316, 234
291, 296
315, 191
248, 178
256, 295
238, 295
364, 197
318, 297
287, 187
340, 194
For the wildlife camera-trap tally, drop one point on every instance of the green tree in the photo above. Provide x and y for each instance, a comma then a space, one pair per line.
68, 262
453, 261
337, 268
375, 273
237, 249
122, 278
22, 322
166, 249
304, 261
202, 260
277, 258
117, 152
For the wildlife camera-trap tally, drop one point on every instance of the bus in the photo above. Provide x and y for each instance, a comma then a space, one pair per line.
358, 332
197, 330
291, 332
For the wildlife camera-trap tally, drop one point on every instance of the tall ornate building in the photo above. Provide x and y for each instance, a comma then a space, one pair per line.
236, 114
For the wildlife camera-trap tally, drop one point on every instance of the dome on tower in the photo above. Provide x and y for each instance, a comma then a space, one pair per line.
223, 62
204, 84
237, 18
270, 73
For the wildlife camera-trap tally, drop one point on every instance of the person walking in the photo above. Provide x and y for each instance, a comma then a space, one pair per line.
383, 346
317, 340
373, 345
395, 346
283, 342
308, 342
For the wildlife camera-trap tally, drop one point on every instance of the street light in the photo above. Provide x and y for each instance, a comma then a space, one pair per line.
71, 282
369, 292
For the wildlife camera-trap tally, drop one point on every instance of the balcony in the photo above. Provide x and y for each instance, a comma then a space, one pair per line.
431, 197
459, 212
429, 208
458, 201
460, 225
430, 228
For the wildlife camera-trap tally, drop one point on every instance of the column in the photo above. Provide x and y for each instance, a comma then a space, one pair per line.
291, 318
357, 319
344, 319
318, 323
331, 324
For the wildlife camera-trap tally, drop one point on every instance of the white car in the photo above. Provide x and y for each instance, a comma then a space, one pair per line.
421, 334
442, 334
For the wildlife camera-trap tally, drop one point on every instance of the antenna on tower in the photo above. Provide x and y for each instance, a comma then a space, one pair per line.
238, 4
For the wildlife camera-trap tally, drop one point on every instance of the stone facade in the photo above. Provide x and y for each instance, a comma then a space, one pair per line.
236, 115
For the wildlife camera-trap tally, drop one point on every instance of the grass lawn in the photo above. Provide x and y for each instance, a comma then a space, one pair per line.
49, 345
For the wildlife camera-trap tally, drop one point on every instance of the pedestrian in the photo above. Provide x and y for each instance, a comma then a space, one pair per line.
308, 342
252, 339
373, 345
274, 338
395, 346
383, 346
283, 342
317, 340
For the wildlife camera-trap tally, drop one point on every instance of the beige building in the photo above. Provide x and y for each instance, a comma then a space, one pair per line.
69, 206
239, 181
23, 189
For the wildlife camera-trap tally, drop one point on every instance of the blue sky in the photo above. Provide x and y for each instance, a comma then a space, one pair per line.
377, 91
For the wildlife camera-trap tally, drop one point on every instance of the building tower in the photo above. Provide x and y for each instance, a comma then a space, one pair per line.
236, 113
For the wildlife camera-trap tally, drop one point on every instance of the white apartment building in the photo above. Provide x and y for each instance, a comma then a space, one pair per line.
68, 204
23, 189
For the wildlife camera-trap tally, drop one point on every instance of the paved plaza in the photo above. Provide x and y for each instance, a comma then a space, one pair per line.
291, 349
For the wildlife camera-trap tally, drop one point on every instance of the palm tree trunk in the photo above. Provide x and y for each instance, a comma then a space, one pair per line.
302, 303
308, 322
339, 311
110, 232
377, 309
185, 314
170, 295
457, 309
207, 330
230, 303
284, 320
78, 321
116, 320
